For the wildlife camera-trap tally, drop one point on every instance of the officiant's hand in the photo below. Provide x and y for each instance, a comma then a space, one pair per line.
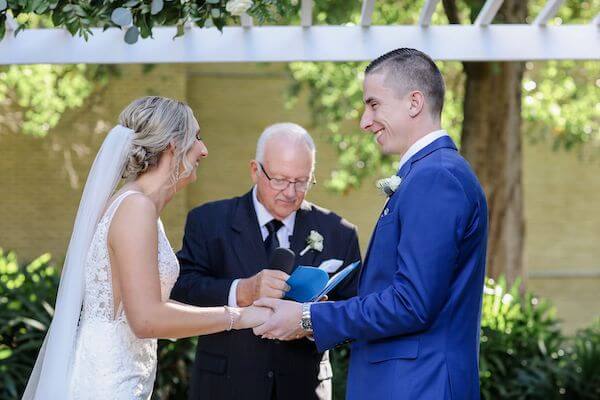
267, 283
284, 324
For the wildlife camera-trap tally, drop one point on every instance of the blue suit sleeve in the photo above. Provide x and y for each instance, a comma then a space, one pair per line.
432, 213
197, 283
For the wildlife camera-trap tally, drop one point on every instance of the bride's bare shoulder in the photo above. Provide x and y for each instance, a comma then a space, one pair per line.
135, 211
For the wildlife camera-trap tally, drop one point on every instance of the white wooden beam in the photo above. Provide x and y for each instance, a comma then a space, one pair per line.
306, 9
246, 20
366, 14
497, 42
548, 12
488, 12
427, 11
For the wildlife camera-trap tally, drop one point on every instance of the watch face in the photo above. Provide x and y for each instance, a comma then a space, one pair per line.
306, 325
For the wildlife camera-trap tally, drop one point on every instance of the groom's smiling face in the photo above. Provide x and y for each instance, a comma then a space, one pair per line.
386, 114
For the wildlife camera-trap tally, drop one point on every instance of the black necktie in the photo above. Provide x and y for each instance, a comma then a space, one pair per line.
271, 242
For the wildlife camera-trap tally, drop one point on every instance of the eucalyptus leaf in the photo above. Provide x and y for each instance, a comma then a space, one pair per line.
157, 6
215, 12
80, 12
121, 17
180, 30
35, 4
3, 5
132, 35
145, 27
41, 8
213, 1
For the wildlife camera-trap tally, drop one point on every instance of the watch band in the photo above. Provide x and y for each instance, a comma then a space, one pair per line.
306, 322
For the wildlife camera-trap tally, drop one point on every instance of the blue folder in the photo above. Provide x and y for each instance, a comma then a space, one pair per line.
310, 283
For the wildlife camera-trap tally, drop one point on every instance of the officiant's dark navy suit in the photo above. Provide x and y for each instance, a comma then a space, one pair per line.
223, 242
415, 324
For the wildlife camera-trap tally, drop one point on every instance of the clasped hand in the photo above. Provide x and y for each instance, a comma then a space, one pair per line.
284, 322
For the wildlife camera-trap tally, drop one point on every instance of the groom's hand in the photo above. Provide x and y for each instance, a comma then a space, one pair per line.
267, 283
284, 323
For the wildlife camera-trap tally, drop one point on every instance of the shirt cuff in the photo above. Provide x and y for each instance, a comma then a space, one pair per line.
232, 299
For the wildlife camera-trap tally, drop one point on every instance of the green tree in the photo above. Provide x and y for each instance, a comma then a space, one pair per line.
488, 107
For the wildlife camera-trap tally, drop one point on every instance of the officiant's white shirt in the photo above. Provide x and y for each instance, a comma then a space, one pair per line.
283, 235
421, 144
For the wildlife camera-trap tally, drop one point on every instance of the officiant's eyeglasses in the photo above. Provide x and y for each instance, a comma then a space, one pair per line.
282, 184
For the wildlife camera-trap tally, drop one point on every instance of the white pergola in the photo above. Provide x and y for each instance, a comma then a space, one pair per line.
481, 41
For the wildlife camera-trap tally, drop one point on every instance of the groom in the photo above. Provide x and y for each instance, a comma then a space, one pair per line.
414, 326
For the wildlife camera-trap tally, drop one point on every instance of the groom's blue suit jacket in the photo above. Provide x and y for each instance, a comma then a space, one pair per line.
415, 322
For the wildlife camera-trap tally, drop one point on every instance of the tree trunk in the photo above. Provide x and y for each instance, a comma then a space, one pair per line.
491, 141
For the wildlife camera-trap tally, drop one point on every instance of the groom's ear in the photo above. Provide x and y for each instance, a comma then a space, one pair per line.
416, 102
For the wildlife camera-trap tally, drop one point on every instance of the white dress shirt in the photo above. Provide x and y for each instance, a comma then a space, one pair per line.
283, 235
421, 144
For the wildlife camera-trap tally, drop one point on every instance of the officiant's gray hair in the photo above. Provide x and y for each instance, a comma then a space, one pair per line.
293, 132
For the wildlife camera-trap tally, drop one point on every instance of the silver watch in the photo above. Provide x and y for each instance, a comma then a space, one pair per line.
306, 322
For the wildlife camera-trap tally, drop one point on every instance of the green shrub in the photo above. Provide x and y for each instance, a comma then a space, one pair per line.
26, 295
583, 371
522, 352
175, 358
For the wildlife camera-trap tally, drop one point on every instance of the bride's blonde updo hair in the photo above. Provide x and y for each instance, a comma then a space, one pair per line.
157, 122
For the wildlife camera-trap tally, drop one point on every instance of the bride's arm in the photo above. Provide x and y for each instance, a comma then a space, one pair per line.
133, 251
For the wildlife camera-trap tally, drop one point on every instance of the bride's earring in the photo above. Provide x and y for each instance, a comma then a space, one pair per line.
175, 178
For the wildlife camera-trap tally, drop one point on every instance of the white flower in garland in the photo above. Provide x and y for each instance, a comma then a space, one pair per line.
388, 186
314, 242
238, 7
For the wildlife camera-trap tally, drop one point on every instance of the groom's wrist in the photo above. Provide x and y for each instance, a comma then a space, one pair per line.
306, 321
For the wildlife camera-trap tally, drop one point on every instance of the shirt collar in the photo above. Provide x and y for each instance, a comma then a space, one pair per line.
265, 216
421, 144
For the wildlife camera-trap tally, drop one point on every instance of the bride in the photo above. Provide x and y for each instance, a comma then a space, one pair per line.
113, 299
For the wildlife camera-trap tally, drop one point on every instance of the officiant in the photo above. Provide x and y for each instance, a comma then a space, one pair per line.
226, 259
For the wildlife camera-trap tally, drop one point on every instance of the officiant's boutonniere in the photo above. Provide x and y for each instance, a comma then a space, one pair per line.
389, 185
314, 242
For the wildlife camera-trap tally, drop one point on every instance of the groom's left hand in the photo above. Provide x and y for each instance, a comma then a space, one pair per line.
284, 324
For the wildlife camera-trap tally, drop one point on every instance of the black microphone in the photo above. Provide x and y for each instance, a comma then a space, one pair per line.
282, 259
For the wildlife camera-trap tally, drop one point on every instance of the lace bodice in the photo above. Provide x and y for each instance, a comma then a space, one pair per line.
98, 298
110, 362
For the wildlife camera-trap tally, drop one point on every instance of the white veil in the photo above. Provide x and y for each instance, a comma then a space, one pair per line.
50, 377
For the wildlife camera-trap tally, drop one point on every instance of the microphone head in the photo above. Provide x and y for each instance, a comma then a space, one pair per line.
283, 260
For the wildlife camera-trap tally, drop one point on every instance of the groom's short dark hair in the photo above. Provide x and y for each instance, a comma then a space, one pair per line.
411, 69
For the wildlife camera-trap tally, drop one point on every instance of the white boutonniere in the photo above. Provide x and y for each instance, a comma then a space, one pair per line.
238, 7
389, 185
314, 242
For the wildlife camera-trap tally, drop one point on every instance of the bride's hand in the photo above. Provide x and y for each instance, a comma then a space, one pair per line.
252, 316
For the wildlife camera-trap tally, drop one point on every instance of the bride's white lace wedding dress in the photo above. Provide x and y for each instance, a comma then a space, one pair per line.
110, 362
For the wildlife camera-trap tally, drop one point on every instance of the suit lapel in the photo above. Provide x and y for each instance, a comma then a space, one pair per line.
248, 244
302, 227
440, 143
